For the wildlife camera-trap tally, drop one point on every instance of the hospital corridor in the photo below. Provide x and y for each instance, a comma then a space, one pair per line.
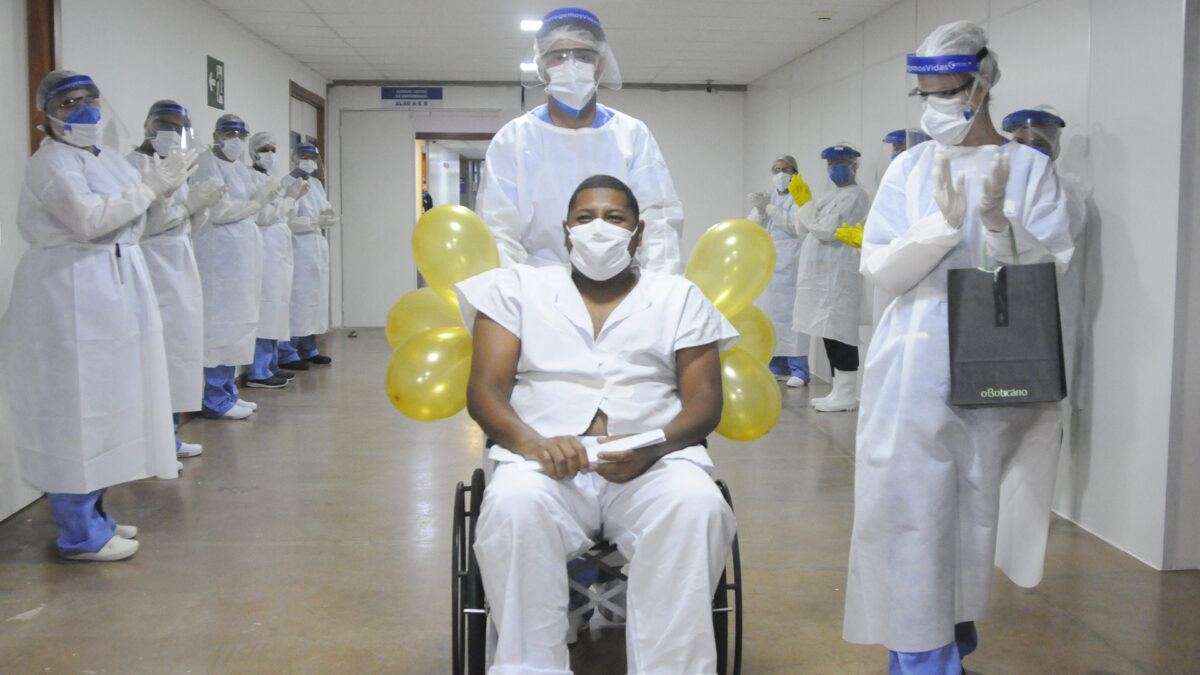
685, 337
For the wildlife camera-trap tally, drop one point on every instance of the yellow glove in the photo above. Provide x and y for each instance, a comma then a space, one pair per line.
799, 190
850, 236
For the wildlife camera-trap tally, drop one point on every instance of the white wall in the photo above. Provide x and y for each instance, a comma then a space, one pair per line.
700, 135
1078, 56
443, 174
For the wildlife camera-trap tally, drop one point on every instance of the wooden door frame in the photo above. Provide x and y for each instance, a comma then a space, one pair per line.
43, 43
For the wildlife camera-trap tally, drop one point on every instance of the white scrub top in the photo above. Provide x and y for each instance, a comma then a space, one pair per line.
532, 167
167, 245
229, 254
82, 338
927, 474
275, 302
564, 375
779, 299
310, 280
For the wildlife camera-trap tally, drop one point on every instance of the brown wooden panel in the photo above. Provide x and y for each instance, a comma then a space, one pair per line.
42, 22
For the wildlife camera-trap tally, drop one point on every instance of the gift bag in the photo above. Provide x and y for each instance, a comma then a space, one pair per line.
1005, 336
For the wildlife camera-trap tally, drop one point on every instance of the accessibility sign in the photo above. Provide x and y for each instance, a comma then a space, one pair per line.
410, 97
216, 83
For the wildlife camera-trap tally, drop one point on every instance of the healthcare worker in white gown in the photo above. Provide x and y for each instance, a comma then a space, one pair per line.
772, 210
314, 216
82, 336
278, 269
230, 257
927, 474
828, 283
167, 246
536, 160
563, 356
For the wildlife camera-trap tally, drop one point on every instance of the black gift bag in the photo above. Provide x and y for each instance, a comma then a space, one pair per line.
1005, 336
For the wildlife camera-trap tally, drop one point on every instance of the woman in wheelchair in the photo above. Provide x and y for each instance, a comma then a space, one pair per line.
566, 360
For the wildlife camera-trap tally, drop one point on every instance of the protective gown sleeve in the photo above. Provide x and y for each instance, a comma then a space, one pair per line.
895, 255
755, 216
58, 182
660, 208
164, 213
1042, 233
497, 198
795, 222
228, 210
823, 224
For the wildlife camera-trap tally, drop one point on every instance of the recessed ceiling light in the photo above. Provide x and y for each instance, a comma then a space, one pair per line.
530, 25
529, 67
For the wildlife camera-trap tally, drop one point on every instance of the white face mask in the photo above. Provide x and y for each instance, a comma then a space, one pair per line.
265, 159
572, 84
948, 121
164, 142
600, 250
308, 166
781, 181
232, 148
83, 129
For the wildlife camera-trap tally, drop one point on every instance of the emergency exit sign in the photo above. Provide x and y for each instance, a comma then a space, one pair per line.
216, 83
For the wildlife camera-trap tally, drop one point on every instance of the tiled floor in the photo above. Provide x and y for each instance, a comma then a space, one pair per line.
315, 537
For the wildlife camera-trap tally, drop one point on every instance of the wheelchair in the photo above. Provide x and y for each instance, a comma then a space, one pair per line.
470, 609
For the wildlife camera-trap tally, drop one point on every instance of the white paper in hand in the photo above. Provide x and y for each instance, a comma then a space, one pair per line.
594, 447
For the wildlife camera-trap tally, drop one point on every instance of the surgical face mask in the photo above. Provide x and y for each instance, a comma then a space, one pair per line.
308, 166
781, 181
82, 129
572, 84
232, 148
266, 160
948, 121
840, 174
600, 250
165, 141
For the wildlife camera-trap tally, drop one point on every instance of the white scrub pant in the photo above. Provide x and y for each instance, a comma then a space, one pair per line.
670, 523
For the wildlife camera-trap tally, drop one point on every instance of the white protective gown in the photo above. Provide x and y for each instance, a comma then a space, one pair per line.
780, 297
167, 246
828, 283
310, 280
532, 167
229, 254
275, 302
927, 475
82, 338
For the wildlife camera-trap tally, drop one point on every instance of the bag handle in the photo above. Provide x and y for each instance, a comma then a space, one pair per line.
983, 255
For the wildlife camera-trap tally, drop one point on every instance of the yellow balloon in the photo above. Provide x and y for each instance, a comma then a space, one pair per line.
758, 333
732, 263
451, 243
427, 376
751, 397
417, 312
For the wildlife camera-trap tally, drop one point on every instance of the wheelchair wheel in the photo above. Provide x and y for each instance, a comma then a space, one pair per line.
730, 584
469, 630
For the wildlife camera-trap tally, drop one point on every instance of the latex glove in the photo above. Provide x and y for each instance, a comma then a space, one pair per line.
266, 193
168, 173
759, 200
799, 190
850, 236
327, 219
205, 193
297, 189
949, 193
991, 201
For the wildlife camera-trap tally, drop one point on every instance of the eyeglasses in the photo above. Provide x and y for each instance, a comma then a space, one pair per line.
557, 57
77, 101
944, 93
234, 133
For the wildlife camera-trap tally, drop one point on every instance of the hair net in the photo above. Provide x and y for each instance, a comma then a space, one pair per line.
59, 82
260, 139
790, 161
577, 25
965, 38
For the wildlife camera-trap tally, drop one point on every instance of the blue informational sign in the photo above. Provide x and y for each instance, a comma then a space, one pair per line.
410, 97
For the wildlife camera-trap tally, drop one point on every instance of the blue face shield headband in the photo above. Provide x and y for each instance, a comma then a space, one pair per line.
945, 64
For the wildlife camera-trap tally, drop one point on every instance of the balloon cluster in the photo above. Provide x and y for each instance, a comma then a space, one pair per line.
732, 264
427, 376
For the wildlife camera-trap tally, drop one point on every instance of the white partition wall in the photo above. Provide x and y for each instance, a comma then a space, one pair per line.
1116, 72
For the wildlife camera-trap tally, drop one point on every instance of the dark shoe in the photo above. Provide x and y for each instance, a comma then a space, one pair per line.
299, 364
272, 382
284, 374
320, 360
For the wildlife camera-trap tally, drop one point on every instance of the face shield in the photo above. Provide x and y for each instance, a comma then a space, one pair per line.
903, 139
1039, 128
571, 57
306, 160
229, 137
944, 95
168, 127
842, 163
76, 113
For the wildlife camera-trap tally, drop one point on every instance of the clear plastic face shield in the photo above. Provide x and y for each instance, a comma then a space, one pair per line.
306, 161
946, 93
76, 113
230, 138
168, 127
571, 57
903, 139
1039, 128
841, 162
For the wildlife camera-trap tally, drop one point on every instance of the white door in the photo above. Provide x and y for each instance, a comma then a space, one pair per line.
378, 201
